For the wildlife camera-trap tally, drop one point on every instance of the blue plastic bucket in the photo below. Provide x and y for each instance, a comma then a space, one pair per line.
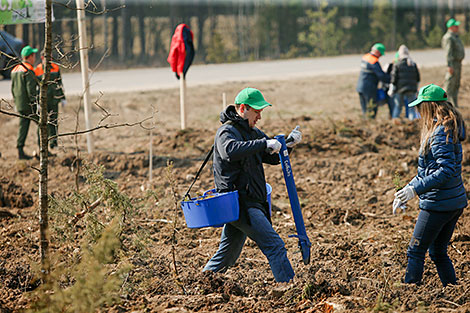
215, 209
381, 95
269, 190
212, 209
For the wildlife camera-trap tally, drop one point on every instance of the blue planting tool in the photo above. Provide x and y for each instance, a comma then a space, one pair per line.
304, 242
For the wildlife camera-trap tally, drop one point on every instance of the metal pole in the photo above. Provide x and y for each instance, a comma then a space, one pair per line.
151, 156
84, 68
224, 100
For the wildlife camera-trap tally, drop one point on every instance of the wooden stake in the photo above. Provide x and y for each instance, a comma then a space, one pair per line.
83, 46
224, 100
151, 156
183, 100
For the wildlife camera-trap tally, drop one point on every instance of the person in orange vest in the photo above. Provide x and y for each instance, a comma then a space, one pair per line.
369, 77
24, 90
55, 94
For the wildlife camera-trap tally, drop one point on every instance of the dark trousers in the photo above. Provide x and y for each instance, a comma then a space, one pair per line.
368, 106
433, 231
24, 125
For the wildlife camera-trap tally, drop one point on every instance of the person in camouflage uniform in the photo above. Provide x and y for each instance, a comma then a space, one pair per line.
24, 90
455, 53
55, 94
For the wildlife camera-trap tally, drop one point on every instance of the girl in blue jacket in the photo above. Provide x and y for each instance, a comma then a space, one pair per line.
439, 185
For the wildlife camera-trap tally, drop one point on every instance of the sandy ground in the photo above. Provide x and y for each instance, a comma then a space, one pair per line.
344, 171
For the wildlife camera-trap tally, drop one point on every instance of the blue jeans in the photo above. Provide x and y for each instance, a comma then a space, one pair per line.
433, 231
261, 231
401, 100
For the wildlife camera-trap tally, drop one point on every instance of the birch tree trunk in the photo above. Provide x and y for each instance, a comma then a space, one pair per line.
43, 149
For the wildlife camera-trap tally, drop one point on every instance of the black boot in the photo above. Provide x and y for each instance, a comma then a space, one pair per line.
22, 155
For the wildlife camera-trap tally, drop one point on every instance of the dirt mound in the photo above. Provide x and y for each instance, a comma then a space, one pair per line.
13, 195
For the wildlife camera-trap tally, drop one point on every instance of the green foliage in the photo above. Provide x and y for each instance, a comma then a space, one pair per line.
113, 203
216, 49
381, 23
433, 39
217, 52
94, 282
383, 306
323, 36
397, 182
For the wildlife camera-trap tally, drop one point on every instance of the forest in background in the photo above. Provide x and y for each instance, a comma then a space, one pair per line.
124, 33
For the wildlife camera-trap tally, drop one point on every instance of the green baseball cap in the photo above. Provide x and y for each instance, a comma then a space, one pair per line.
27, 51
380, 47
429, 93
452, 22
253, 98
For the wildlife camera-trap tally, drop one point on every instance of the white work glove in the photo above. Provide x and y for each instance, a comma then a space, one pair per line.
406, 194
391, 90
63, 102
273, 146
398, 204
295, 136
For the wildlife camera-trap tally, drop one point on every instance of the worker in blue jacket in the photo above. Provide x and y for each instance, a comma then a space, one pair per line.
439, 185
240, 149
369, 77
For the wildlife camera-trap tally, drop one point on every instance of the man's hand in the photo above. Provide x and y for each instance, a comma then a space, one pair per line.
273, 146
63, 102
398, 204
450, 70
391, 90
294, 137
406, 194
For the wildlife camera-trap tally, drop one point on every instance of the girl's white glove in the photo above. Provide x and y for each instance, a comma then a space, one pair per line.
398, 204
406, 194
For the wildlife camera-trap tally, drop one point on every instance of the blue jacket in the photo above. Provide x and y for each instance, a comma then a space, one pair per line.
370, 75
439, 182
239, 154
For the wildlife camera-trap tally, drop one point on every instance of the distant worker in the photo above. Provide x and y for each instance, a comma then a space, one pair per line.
369, 77
55, 94
404, 84
439, 185
455, 53
240, 149
24, 90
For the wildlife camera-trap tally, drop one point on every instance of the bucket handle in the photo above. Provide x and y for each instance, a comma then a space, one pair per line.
198, 173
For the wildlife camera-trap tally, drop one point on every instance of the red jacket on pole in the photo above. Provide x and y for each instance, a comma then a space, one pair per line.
181, 50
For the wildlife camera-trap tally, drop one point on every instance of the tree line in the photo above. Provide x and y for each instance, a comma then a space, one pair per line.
137, 33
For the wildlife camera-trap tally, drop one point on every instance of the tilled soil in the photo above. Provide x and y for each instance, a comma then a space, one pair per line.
344, 171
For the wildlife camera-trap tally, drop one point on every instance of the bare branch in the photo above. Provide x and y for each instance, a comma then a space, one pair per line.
89, 11
82, 213
107, 126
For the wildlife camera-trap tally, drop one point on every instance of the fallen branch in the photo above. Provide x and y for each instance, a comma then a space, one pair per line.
81, 214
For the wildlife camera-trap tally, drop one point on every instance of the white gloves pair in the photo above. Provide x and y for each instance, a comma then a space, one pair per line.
402, 197
273, 146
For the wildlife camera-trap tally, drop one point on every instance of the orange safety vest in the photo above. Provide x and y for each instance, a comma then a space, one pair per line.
21, 68
40, 71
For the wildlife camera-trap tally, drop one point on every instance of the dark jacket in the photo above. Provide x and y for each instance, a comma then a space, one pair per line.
405, 76
239, 154
55, 91
439, 181
24, 87
370, 75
